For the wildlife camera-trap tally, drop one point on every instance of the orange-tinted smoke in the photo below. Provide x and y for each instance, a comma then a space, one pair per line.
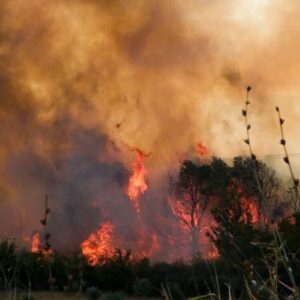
166, 71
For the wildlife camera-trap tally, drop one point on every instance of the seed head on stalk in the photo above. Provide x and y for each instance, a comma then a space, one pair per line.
286, 159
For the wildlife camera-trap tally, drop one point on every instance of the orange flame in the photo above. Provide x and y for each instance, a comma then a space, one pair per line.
207, 248
249, 206
36, 246
213, 254
99, 244
179, 211
137, 183
201, 150
252, 208
35, 243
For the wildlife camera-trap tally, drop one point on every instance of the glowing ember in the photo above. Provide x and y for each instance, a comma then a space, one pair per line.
201, 150
99, 244
213, 254
35, 243
137, 183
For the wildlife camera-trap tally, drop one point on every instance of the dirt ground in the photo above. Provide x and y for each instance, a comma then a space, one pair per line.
44, 296
57, 296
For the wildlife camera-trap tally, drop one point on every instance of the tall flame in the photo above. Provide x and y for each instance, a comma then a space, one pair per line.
99, 244
137, 183
35, 243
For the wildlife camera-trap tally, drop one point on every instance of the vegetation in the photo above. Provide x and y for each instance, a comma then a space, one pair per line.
247, 256
193, 190
252, 261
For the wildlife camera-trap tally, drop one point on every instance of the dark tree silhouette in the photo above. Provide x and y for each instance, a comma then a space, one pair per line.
193, 189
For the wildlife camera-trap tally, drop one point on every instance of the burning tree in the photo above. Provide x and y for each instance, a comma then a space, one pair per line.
191, 193
270, 191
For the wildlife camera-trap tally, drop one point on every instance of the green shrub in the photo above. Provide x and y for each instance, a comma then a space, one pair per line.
142, 287
113, 296
175, 292
92, 293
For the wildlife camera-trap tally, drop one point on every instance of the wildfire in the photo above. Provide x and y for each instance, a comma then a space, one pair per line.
35, 243
179, 211
99, 244
213, 254
137, 183
36, 246
249, 206
207, 249
210, 251
252, 208
201, 150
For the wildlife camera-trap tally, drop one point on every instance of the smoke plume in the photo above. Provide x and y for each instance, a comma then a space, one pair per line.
83, 82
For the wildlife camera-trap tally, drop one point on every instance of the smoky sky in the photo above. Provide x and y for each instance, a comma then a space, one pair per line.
81, 82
